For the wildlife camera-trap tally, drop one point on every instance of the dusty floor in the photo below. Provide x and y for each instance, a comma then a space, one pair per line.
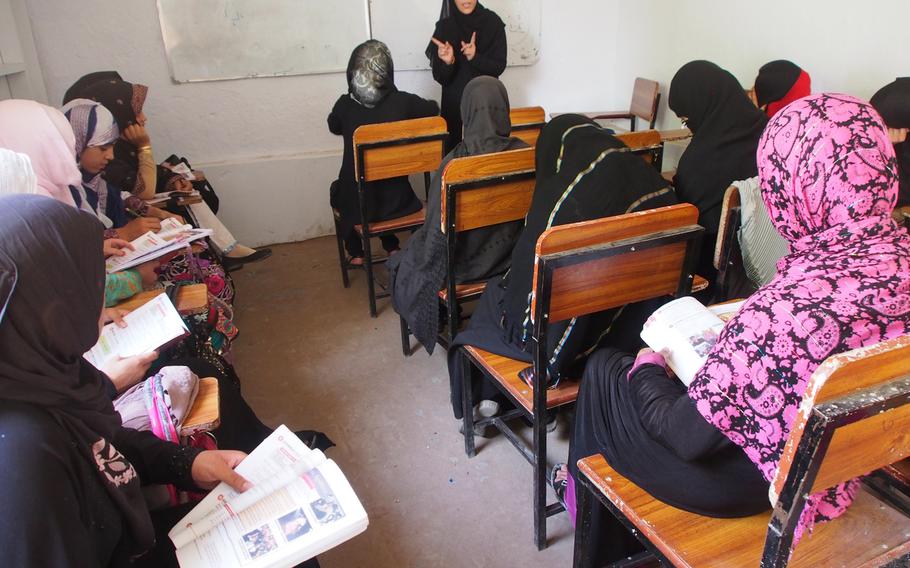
310, 356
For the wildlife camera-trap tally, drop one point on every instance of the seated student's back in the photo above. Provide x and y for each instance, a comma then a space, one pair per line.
372, 98
418, 273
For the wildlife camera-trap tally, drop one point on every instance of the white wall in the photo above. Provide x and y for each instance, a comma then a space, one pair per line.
264, 143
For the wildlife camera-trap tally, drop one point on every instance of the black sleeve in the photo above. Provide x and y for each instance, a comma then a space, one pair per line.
334, 120
670, 416
492, 61
419, 107
163, 179
442, 72
155, 460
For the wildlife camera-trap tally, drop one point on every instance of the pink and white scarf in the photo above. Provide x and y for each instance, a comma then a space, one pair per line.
829, 178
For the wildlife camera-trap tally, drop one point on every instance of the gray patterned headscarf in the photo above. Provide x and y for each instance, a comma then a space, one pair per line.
371, 73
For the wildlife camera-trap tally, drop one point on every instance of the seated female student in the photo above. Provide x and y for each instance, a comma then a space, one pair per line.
713, 447
583, 173
418, 272
778, 84
372, 98
893, 102
725, 129
69, 472
133, 168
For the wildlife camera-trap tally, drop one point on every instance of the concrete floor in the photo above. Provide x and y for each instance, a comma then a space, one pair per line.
310, 356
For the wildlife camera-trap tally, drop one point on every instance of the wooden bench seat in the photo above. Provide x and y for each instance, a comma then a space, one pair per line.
506, 371
464, 291
399, 223
205, 415
192, 299
690, 540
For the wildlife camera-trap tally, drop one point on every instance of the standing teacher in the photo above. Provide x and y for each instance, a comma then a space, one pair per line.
469, 41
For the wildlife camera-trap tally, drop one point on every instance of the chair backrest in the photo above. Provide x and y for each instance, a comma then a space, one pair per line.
527, 122
393, 149
727, 235
645, 143
588, 267
854, 419
485, 190
645, 100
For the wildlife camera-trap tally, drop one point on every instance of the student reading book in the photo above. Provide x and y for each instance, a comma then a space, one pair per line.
300, 505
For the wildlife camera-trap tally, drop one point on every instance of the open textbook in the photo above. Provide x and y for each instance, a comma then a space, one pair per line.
300, 505
172, 236
685, 331
148, 327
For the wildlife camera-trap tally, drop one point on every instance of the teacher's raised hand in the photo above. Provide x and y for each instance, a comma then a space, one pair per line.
445, 51
470, 49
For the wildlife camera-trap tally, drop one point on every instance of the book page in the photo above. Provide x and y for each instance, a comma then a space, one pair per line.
280, 528
141, 246
147, 328
164, 243
685, 331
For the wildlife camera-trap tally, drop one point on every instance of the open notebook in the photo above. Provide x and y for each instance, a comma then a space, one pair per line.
300, 505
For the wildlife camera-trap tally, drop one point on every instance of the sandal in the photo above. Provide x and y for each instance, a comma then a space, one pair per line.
559, 487
355, 261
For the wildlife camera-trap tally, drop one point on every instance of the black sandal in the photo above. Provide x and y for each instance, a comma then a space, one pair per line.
559, 487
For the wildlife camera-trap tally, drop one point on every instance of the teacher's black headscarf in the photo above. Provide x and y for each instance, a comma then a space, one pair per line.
371, 73
455, 27
725, 129
51, 295
893, 102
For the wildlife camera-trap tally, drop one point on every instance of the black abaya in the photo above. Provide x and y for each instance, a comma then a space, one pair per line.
386, 199
893, 102
725, 128
648, 430
489, 59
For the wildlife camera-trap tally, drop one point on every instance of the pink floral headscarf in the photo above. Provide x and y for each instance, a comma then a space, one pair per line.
829, 178
44, 135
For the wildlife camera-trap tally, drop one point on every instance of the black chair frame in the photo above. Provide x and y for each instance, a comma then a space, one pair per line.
366, 233
536, 455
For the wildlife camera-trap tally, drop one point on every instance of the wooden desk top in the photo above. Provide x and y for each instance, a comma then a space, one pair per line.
192, 299
205, 415
675, 135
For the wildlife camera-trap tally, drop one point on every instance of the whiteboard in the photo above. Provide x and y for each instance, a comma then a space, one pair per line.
407, 37
207, 40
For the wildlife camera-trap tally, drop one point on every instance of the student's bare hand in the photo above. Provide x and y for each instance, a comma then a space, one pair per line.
147, 272
136, 135
200, 175
213, 466
445, 51
165, 214
138, 227
116, 247
898, 135
126, 372
114, 315
183, 185
470, 49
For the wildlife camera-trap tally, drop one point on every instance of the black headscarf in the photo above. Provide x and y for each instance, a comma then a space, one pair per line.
586, 174
893, 102
774, 80
725, 128
125, 101
78, 88
418, 271
455, 27
371, 73
51, 295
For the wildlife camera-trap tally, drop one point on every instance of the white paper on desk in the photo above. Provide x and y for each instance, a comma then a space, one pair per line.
184, 171
147, 328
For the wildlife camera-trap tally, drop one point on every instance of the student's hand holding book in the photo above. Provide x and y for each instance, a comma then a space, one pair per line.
138, 227
125, 372
116, 247
214, 466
